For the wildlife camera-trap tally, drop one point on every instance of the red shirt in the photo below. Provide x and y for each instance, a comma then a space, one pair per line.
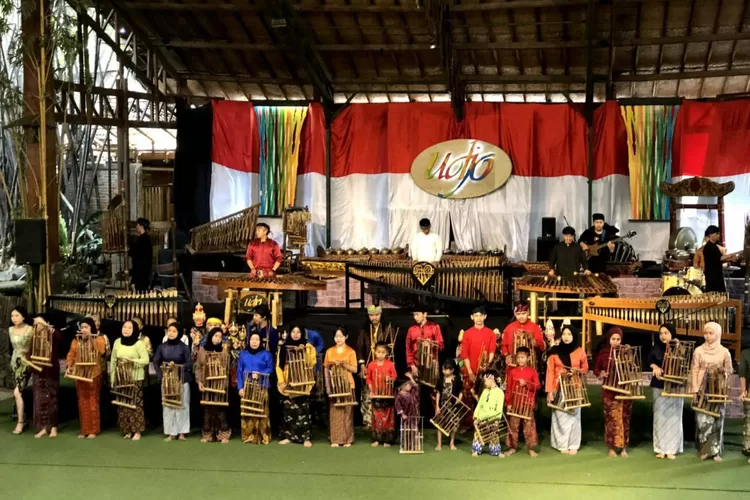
263, 254
474, 340
430, 331
388, 369
510, 331
513, 375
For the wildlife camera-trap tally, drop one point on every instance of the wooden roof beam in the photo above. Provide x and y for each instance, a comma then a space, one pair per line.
682, 75
395, 80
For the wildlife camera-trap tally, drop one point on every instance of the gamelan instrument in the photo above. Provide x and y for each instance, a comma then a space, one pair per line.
40, 354
125, 387
451, 414
713, 393
571, 393
593, 284
172, 376
382, 387
87, 358
624, 375
521, 402
489, 432
340, 387
412, 436
254, 403
388, 336
427, 362
301, 376
215, 380
155, 307
675, 370
229, 234
522, 338
595, 248
688, 314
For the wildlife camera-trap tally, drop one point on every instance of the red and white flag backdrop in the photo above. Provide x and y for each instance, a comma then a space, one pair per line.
375, 203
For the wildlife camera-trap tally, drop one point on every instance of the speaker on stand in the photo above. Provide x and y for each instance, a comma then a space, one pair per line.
548, 240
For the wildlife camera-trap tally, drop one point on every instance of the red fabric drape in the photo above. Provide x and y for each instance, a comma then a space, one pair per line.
313, 147
712, 139
610, 141
359, 140
236, 139
414, 127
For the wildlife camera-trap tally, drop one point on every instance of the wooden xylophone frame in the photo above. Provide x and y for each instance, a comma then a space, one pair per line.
124, 388
228, 234
255, 402
678, 357
154, 306
86, 360
571, 394
713, 393
215, 380
427, 362
451, 413
40, 355
490, 431
412, 436
382, 387
522, 338
340, 390
522, 401
172, 385
301, 376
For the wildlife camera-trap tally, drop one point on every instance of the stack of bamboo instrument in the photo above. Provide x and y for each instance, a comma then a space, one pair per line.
40, 355
713, 393
87, 358
154, 306
451, 413
301, 376
215, 382
675, 370
228, 234
340, 389
412, 436
624, 375
572, 392
254, 403
427, 362
172, 385
125, 388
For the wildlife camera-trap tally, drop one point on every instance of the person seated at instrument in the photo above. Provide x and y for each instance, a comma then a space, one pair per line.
521, 375
142, 256
489, 408
426, 246
709, 430
382, 417
714, 257
183, 337
564, 358
296, 420
215, 423
423, 329
617, 412
667, 426
88, 392
174, 352
521, 324
132, 421
46, 382
341, 424
263, 255
450, 384
256, 361
744, 373
261, 323
600, 233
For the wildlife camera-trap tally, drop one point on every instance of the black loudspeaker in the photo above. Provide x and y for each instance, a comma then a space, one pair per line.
548, 227
544, 248
31, 241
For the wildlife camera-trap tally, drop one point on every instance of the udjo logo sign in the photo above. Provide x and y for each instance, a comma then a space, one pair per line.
462, 168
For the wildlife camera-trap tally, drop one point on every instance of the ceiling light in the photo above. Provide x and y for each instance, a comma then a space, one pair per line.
123, 31
433, 46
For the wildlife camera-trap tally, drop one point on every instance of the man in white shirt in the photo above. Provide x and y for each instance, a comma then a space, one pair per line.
426, 246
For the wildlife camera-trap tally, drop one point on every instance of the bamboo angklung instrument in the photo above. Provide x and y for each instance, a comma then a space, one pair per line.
382, 387
571, 392
678, 357
713, 393
40, 354
628, 364
215, 380
340, 389
172, 385
412, 436
124, 388
489, 432
301, 376
451, 413
254, 403
427, 362
522, 338
522, 401
86, 359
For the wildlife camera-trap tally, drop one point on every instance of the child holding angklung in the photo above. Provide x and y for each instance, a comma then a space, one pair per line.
489, 408
521, 376
407, 399
616, 412
449, 385
382, 421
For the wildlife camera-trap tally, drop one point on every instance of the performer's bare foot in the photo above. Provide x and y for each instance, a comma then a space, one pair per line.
565, 452
283, 441
181, 437
572, 452
474, 454
612, 453
91, 436
386, 445
510, 452
348, 445
137, 436
168, 438
375, 444
718, 459
41, 433
703, 457
334, 445
308, 444
53, 432
19, 428
127, 436
660, 455
225, 441
204, 440
670, 456
438, 448
453, 446
624, 453
81, 436
532, 453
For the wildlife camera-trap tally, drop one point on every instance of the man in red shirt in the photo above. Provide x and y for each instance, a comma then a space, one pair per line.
263, 254
476, 339
521, 323
428, 330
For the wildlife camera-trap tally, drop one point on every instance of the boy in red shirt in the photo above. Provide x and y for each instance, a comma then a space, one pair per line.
522, 382
427, 330
475, 340
521, 323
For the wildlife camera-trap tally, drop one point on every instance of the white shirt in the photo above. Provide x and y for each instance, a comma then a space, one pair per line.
426, 247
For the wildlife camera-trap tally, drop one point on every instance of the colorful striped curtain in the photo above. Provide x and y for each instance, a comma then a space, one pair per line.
280, 135
650, 130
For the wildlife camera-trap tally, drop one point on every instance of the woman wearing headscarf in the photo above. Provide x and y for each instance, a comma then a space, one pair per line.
617, 412
709, 430
296, 423
667, 430
255, 361
88, 392
215, 423
131, 420
564, 358
45, 383
173, 352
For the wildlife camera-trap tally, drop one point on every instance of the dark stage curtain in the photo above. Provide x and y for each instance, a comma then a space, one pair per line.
192, 172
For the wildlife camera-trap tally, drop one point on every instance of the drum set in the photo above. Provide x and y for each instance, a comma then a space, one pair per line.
691, 281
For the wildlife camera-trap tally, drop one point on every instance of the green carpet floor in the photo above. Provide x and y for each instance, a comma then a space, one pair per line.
110, 467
